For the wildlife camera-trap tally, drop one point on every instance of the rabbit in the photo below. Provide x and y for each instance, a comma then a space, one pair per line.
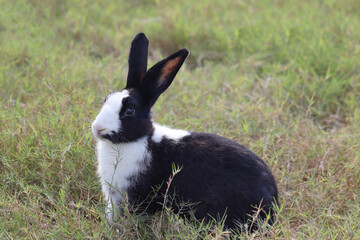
219, 177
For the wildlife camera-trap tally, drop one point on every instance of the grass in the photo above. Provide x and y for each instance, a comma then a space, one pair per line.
280, 77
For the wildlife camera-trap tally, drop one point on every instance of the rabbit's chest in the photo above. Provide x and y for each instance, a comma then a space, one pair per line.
120, 164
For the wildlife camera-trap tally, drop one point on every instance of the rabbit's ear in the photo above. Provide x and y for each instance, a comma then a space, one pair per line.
137, 60
159, 77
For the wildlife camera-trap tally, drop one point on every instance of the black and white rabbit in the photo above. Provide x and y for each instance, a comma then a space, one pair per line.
135, 155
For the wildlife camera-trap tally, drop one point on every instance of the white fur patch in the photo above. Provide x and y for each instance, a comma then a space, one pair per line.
117, 163
108, 118
161, 131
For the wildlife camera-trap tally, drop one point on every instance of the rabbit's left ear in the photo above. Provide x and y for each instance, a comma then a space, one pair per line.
159, 77
137, 60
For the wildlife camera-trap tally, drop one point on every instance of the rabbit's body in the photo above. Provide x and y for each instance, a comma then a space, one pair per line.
218, 176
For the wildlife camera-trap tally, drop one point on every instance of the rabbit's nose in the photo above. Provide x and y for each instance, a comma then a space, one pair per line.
98, 131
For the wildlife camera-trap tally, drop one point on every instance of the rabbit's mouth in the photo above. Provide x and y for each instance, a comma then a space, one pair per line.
99, 133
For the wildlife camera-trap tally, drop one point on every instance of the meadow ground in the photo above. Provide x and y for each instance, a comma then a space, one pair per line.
280, 77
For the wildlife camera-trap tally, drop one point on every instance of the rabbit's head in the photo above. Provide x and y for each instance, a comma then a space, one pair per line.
125, 115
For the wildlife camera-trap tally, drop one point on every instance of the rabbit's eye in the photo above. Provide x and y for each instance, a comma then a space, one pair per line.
129, 111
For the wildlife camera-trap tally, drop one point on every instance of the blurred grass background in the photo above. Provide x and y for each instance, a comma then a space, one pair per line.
281, 77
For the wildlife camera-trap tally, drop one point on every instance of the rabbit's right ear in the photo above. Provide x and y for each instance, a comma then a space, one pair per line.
137, 60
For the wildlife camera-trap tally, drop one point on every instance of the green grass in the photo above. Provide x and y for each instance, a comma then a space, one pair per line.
280, 77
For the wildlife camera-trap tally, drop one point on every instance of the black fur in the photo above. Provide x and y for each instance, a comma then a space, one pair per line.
137, 60
218, 175
153, 84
